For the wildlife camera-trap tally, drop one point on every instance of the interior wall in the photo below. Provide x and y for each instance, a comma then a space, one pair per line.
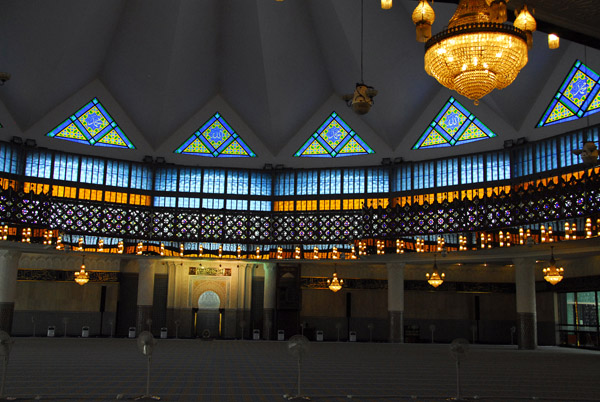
44, 303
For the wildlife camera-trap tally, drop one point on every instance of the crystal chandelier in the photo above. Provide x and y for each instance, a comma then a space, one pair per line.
335, 284
82, 277
477, 53
435, 279
551, 273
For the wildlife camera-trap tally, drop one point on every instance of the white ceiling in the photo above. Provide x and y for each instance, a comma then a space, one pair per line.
274, 70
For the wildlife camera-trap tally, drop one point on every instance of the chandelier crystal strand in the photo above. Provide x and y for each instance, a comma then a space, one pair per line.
475, 56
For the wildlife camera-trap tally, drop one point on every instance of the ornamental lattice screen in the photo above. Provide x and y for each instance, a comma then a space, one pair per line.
570, 197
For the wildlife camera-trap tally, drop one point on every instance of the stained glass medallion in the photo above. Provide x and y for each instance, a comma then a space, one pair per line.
216, 139
92, 125
577, 97
453, 125
334, 138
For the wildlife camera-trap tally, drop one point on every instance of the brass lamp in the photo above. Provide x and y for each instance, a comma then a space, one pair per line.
386, 4
435, 279
475, 55
552, 274
82, 277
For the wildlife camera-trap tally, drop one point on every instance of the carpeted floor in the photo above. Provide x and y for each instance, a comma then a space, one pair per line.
73, 369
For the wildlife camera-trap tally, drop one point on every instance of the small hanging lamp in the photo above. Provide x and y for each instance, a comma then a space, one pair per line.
82, 277
435, 279
553, 41
386, 4
362, 99
423, 16
552, 274
526, 22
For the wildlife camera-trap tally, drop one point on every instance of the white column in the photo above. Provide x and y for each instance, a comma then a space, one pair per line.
395, 274
526, 308
269, 300
9, 266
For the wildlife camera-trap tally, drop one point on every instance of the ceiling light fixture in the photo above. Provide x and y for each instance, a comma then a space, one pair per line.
362, 99
386, 4
423, 17
476, 55
553, 41
334, 283
552, 274
82, 277
435, 279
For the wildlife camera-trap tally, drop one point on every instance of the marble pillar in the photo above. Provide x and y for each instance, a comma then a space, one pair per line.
526, 308
9, 265
145, 296
269, 301
395, 277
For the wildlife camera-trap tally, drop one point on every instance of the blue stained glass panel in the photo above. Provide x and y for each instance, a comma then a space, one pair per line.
92, 125
216, 139
334, 138
453, 125
577, 96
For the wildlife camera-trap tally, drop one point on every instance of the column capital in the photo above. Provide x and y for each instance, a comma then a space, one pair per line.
395, 265
269, 266
146, 263
9, 254
524, 262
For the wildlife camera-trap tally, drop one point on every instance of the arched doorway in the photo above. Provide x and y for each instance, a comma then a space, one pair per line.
208, 320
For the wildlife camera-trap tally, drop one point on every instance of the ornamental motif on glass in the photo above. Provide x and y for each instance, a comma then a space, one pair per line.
92, 125
334, 138
453, 125
577, 97
216, 139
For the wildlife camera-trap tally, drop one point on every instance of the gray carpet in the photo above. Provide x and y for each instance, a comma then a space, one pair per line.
194, 370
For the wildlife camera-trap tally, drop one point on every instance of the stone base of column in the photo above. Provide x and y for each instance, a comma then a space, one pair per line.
144, 313
6, 316
268, 323
527, 331
396, 319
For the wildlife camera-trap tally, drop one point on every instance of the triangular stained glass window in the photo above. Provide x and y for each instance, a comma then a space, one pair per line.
577, 97
216, 139
92, 125
334, 138
453, 125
